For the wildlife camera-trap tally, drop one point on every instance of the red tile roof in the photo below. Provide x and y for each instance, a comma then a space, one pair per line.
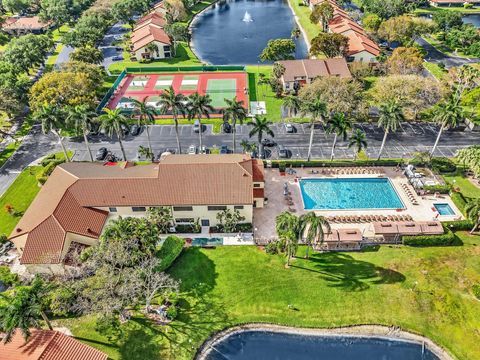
313, 68
48, 345
148, 34
154, 18
25, 23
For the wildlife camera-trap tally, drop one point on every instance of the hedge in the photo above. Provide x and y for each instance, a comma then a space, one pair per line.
459, 201
459, 225
169, 252
335, 163
447, 239
244, 228
8, 278
441, 189
443, 165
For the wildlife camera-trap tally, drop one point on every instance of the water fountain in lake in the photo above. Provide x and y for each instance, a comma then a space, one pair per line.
247, 17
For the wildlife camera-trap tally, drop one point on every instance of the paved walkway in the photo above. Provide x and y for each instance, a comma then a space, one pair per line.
436, 56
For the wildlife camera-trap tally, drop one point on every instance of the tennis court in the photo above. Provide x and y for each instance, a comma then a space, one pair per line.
218, 85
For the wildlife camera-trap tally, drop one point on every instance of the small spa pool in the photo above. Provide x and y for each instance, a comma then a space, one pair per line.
444, 209
349, 194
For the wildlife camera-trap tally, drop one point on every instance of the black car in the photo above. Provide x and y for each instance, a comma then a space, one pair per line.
224, 149
135, 130
101, 153
226, 128
268, 142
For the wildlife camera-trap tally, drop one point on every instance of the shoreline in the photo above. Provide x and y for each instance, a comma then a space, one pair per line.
359, 331
304, 33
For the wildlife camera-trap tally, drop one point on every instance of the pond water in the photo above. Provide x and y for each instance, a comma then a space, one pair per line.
235, 32
472, 19
267, 345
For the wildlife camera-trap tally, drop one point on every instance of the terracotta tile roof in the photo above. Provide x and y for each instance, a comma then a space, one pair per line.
25, 23
148, 34
154, 18
312, 68
258, 193
48, 345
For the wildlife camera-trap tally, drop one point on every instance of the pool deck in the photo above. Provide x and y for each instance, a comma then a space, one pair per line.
264, 218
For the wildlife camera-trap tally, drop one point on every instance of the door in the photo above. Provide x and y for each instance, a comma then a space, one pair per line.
205, 222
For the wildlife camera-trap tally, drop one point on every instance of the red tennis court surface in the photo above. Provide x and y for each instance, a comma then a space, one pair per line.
220, 86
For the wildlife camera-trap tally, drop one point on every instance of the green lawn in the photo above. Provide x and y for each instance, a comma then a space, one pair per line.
435, 70
263, 92
433, 9
303, 17
424, 290
8, 151
468, 189
440, 46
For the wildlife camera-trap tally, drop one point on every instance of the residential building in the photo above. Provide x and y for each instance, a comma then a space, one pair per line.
79, 199
48, 345
22, 25
306, 70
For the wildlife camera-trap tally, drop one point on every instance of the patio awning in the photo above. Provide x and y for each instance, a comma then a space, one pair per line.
385, 228
332, 236
409, 228
431, 227
350, 235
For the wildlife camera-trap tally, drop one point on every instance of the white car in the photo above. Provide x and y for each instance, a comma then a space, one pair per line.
192, 150
289, 128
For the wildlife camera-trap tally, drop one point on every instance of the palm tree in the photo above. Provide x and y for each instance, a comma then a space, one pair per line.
112, 122
287, 226
235, 111
82, 117
292, 103
390, 117
472, 209
313, 226
145, 152
259, 127
339, 125
50, 118
358, 140
174, 103
23, 309
448, 115
199, 106
146, 116
317, 110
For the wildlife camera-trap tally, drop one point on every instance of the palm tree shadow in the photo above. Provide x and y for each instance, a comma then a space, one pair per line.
343, 271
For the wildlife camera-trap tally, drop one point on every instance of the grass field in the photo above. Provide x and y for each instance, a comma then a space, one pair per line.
424, 290
461, 9
303, 17
468, 189
435, 70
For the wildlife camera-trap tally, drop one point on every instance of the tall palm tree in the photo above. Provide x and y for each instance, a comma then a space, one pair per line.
448, 115
199, 106
312, 228
390, 117
472, 209
174, 103
235, 111
358, 140
287, 226
23, 309
259, 127
51, 118
317, 109
112, 122
292, 103
339, 125
82, 117
146, 116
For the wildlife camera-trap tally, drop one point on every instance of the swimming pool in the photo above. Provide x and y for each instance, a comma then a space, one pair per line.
444, 209
349, 193
207, 241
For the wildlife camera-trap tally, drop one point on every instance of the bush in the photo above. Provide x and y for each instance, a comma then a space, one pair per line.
458, 225
468, 6
282, 167
243, 228
172, 312
7, 277
442, 189
170, 250
187, 229
271, 248
476, 291
447, 239
3, 239
459, 201
443, 165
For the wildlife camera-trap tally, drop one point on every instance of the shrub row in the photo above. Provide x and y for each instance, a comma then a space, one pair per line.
335, 163
169, 252
441, 189
244, 228
187, 229
459, 201
8, 278
447, 239
49, 164
458, 225
443, 165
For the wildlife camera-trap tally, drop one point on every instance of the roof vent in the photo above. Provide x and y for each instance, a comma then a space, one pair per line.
19, 230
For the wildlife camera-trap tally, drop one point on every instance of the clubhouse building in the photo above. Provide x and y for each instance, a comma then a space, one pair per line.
79, 199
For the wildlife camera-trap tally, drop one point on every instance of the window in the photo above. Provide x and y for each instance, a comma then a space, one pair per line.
238, 207
182, 208
217, 208
256, 185
139, 209
166, 48
185, 220
112, 209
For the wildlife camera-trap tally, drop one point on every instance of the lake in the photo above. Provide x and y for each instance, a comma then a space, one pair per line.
266, 345
235, 32
472, 19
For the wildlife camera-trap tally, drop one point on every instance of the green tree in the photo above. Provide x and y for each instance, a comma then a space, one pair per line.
358, 140
371, 22
405, 29
82, 117
23, 309
87, 54
322, 13
199, 106
260, 126
27, 51
16, 6
278, 49
312, 229
293, 104
448, 114
177, 32
161, 217
329, 44
296, 33
234, 112
145, 152
317, 109
52, 120
390, 117
447, 20
175, 103
287, 226
405, 61
146, 116
472, 209
278, 70
339, 125
228, 220
112, 122
88, 31
57, 11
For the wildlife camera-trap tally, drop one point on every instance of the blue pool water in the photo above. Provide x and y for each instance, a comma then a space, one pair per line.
349, 193
444, 209
207, 241
264, 345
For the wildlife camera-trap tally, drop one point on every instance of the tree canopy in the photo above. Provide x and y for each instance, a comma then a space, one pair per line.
278, 49
329, 44
404, 61
27, 51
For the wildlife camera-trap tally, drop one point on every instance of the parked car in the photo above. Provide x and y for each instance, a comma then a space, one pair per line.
289, 128
197, 126
125, 130
101, 153
192, 150
135, 129
268, 142
224, 149
226, 128
117, 58
283, 153
204, 150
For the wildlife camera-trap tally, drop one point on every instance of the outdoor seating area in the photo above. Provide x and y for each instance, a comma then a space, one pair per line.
396, 229
367, 218
349, 171
409, 194
342, 240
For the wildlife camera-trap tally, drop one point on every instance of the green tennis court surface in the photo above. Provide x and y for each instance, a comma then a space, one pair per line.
163, 82
189, 82
221, 89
